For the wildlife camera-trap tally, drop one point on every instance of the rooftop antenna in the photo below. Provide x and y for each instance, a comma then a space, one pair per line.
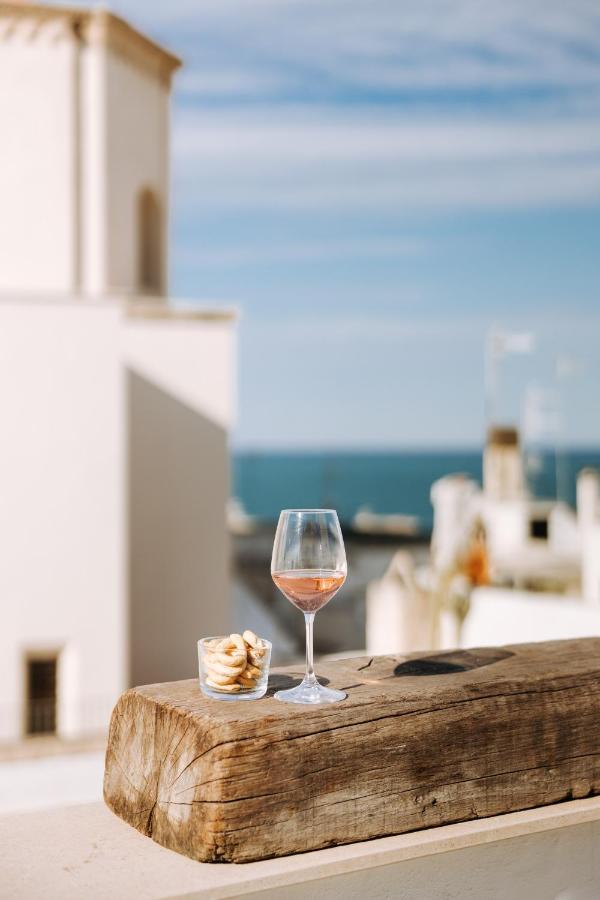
498, 344
540, 425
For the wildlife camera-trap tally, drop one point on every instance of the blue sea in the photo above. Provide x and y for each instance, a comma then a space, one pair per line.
390, 482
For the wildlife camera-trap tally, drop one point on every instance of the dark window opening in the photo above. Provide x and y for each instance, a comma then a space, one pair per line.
150, 261
41, 695
538, 529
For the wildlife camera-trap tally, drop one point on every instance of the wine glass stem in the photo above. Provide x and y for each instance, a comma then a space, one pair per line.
310, 677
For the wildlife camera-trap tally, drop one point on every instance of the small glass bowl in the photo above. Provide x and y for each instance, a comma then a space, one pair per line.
237, 691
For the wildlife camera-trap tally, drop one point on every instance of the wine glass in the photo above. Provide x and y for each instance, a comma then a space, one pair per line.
309, 567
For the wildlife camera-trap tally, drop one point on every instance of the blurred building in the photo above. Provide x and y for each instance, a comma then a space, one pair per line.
115, 405
532, 543
504, 567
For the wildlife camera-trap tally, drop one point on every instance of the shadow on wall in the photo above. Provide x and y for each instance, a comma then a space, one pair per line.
178, 472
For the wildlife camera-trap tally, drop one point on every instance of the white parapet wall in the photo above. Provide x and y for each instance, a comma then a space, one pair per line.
502, 616
536, 854
588, 515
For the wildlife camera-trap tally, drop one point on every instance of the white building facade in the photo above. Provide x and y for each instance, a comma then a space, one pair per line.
529, 541
115, 406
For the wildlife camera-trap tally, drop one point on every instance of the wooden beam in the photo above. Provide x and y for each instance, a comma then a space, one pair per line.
421, 741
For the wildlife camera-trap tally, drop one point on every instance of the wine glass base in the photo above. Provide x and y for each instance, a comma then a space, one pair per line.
310, 693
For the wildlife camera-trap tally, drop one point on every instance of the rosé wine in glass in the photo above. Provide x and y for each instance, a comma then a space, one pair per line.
309, 590
309, 567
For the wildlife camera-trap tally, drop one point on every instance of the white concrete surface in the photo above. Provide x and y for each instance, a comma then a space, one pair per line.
543, 854
50, 781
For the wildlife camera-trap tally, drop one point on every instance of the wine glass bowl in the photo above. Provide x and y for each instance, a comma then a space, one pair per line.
309, 567
309, 590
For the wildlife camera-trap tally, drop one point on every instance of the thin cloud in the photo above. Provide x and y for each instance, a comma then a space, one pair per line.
333, 136
269, 252
459, 328
380, 45
203, 83
338, 162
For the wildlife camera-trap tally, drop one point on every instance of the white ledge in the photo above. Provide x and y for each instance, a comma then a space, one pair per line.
133, 307
137, 309
85, 851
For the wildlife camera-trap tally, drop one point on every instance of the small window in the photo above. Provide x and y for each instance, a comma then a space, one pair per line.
41, 695
538, 529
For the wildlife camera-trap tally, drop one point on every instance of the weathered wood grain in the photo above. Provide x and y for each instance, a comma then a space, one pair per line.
421, 741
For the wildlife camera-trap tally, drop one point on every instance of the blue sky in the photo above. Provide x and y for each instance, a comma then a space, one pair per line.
374, 184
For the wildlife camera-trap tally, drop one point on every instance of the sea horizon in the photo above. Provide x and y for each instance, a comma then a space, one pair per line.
313, 449
384, 481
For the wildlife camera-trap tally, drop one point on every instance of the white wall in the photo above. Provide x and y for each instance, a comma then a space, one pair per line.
65, 523
507, 524
170, 351
137, 133
591, 566
180, 384
61, 508
37, 110
588, 514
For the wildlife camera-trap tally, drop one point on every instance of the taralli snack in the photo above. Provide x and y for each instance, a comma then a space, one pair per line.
223, 679
235, 663
229, 688
225, 644
251, 671
230, 659
238, 640
215, 666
